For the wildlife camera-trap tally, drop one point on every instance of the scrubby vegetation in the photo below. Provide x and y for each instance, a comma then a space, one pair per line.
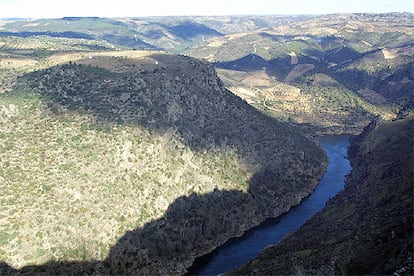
109, 154
89, 153
366, 229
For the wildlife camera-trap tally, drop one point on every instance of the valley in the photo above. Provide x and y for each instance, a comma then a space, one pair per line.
135, 145
365, 229
111, 155
238, 251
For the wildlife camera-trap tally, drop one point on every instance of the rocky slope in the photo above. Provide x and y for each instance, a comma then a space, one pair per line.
138, 165
365, 229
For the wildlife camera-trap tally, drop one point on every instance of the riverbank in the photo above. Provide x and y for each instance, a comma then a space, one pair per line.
127, 189
365, 229
238, 251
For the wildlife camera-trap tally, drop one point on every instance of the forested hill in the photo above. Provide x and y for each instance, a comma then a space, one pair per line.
138, 164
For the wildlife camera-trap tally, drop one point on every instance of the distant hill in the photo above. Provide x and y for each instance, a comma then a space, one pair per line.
352, 66
121, 33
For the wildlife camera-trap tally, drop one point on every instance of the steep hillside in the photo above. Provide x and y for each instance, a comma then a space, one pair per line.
367, 228
317, 104
138, 165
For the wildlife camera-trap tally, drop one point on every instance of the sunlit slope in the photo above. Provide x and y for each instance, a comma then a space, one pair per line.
103, 145
327, 74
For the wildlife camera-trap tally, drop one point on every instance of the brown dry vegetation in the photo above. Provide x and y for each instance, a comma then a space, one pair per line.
324, 106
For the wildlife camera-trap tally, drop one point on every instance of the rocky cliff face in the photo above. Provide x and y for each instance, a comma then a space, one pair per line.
182, 98
365, 229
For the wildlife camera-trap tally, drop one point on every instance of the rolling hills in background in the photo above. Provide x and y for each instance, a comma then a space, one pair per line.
162, 137
327, 74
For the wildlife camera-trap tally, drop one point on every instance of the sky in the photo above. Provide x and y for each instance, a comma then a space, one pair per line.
137, 8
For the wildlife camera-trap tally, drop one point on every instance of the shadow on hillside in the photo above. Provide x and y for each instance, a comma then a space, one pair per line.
277, 67
250, 62
188, 30
185, 95
396, 85
191, 224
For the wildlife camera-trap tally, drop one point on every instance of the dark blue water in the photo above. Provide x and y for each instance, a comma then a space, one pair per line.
239, 251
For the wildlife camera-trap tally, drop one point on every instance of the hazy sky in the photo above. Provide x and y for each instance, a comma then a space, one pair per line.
130, 8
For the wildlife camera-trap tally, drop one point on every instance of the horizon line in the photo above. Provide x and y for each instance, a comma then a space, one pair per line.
204, 15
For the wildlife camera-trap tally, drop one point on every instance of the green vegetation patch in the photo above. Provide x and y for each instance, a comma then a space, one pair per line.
70, 189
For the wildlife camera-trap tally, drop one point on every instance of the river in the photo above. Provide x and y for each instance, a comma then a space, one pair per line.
238, 251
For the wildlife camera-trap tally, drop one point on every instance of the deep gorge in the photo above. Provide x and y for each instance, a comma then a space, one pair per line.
238, 251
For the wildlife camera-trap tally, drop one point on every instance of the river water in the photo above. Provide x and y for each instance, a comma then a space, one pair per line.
238, 251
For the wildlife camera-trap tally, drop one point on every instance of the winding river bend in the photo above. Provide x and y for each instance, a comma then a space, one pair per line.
238, 251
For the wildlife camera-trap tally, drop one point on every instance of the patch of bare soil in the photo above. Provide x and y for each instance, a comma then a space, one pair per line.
298, 71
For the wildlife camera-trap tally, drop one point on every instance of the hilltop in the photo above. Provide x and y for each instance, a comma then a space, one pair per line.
149, 155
